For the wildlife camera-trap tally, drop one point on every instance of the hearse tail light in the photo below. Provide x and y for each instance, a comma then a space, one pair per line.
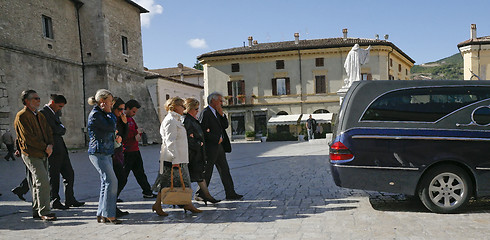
339, 153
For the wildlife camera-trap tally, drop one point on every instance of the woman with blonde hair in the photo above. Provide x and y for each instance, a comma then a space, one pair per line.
101, 130
196, 144
173, 154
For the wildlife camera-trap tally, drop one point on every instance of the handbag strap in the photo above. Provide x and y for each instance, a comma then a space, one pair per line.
172, 178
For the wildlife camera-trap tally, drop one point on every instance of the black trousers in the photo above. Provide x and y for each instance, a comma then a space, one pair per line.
134, 162
118, 166
25, 185
59, 163
218, 158
10, 154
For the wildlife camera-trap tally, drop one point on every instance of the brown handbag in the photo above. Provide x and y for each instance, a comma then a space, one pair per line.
176, 196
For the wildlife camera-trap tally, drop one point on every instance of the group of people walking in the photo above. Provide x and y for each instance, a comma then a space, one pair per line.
188, 144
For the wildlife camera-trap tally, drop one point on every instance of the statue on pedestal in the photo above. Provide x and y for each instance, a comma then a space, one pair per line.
356, 57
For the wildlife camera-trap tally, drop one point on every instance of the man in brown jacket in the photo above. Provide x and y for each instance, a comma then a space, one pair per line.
36, 145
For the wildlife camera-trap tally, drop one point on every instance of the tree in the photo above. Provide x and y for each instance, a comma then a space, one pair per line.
198, 65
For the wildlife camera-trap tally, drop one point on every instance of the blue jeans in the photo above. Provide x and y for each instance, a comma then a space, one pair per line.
311, 134
108, 184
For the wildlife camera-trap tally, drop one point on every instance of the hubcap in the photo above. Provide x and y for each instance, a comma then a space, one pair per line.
447, 190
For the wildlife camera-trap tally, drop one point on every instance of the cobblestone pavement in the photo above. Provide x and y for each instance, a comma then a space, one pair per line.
289, 194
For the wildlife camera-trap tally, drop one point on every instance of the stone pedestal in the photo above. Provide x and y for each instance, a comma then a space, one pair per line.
341, 92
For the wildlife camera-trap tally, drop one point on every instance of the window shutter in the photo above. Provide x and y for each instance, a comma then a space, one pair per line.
242, 84
274, 86
230, 93
288, 88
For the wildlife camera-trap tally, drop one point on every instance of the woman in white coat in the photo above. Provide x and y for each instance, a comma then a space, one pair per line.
174, 153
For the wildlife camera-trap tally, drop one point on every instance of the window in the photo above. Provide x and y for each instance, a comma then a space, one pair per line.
280, 64
391, 77
319, 62
406, 71
320, 84
48, 27
124, 45
423, 104
280, 86
237, 124
391, 62
366, 76
235, 67
167, 97
399, 67
236, 92
260, 123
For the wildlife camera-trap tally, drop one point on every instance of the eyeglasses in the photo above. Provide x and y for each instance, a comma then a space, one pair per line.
120, 109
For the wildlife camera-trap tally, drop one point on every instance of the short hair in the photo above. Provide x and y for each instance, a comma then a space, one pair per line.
190, 103
26, 94
214, 95
101, 94
132, 103
171, 103
117, 102
58, 98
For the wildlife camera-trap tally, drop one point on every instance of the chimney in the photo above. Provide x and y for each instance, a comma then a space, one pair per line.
250, 41
344, 31
255, 42
473, 31
296, 38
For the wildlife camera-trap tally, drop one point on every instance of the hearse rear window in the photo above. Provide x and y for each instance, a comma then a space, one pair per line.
423, 104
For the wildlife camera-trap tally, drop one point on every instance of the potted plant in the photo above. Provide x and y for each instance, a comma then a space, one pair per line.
241, 98
249, 135
264, 135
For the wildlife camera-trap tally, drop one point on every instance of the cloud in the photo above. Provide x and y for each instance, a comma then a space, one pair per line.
150, 6
198, 43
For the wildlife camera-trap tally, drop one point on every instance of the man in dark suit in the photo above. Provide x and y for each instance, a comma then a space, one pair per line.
59, 161
214, 124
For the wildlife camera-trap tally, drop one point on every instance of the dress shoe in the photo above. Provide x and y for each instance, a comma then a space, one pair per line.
74, 204
6, 158
59, 205
210, 199
120, 213
151, 195
113, 221
49, 217
19, 195
234, 197
36, 216
191, 208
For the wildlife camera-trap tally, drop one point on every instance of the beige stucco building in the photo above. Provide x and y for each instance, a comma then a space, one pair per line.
165, 83
72, 47
476, 56
262, 80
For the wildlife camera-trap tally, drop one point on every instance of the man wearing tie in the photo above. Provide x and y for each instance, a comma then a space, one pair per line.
214, 123
59, 161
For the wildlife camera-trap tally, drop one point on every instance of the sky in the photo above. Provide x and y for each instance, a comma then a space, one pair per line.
177, 31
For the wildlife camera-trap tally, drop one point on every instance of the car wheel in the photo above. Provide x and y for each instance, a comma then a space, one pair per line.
445, 189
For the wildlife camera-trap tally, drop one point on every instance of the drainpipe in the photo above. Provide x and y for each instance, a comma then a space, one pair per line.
78, 5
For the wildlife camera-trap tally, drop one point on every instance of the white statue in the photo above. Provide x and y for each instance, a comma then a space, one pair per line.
356, 57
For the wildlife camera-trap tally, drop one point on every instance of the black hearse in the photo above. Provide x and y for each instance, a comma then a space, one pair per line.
425, 138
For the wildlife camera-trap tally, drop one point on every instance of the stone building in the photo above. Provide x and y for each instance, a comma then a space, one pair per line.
181, 82
263, 80
73, 47
476, 56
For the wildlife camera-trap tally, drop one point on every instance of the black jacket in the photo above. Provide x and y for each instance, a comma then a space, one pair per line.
56, 126
214, 127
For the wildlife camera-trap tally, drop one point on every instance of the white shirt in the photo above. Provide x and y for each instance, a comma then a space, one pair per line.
174, 139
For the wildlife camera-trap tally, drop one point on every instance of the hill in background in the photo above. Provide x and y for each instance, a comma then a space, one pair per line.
447, 68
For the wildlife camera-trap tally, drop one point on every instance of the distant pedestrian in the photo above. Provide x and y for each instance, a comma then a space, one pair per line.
311, 126
132, 156
59, 161
36, 144
319, 130
101, 130
8, 140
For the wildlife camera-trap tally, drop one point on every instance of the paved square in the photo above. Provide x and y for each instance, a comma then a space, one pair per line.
289, 194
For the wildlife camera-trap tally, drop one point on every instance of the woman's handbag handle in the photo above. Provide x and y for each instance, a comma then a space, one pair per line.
172, 178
